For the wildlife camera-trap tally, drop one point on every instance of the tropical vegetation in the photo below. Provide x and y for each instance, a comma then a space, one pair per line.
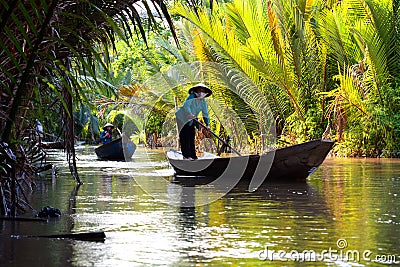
51, 53
320, 65
324, 69
315, 68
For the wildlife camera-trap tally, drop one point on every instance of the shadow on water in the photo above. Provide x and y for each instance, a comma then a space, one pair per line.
21, 245
269, 216
299, 197
288, 195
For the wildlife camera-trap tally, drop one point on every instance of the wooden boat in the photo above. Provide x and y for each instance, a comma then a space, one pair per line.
293, 163
118, 149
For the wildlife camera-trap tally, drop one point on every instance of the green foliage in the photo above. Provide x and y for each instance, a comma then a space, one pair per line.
317, 64
275, 46
86, 123
313, 63
297, 130
154, 123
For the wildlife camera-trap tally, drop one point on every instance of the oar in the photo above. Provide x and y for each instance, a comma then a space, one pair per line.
119, 132
219, 138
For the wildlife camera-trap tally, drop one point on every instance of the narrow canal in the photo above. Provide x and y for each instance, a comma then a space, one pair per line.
347, 214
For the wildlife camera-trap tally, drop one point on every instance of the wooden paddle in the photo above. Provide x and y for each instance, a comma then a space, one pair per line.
219, 138
119, 132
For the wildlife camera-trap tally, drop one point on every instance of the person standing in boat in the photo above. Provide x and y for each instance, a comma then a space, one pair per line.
106, 135
193, 105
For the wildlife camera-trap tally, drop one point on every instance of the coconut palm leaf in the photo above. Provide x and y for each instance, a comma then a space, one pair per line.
369, 42
42, 42
274, 43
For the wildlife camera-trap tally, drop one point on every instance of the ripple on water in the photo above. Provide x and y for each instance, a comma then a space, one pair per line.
354, 200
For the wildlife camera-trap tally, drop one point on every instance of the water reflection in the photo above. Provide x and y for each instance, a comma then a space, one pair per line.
353, 200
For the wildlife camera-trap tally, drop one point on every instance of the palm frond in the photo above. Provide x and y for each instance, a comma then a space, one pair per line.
42, 42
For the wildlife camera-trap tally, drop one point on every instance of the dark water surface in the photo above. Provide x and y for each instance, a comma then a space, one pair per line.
347, 214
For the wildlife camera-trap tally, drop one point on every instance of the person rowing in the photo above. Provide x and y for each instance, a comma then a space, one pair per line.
186, 118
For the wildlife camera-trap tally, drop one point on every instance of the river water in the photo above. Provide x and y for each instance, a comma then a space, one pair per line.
347, 214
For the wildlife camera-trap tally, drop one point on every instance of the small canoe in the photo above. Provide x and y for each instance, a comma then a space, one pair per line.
118, 149
293, 163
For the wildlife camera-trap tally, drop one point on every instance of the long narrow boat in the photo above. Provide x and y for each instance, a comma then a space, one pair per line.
293, 163
119, 149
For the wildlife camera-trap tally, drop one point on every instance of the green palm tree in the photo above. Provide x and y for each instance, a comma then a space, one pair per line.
46, 48
303, 55
363, 39
42, 43
275, 45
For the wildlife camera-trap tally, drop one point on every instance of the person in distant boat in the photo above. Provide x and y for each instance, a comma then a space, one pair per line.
106, 135
193, 105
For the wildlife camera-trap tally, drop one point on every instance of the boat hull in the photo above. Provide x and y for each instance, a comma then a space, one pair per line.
118, 149
294, 163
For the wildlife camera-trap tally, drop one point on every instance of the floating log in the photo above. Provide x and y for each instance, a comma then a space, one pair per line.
24, 219
94, 236
45, 167
52, 145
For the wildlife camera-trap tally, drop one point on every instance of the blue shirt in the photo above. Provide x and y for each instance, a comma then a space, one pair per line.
104, 139
193, 106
